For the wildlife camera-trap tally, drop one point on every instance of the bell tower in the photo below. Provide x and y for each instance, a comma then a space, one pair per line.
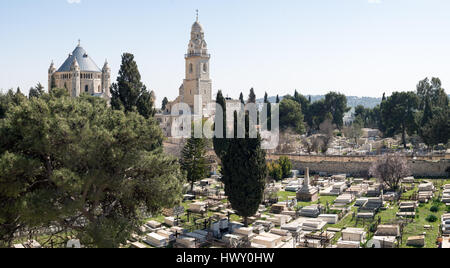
197, 81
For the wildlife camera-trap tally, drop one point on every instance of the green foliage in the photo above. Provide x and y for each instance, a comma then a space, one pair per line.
63, 160
241, 98
36, 92
268, 111
291, 116
129, 93
164, 103
432, 218
275, 171
369, 118
244, 173
434, 127
251, 96
193, 160
398, 114
434, 208
220, 142
336, 104
286, 166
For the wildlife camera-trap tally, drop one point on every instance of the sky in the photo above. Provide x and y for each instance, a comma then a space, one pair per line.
356, 47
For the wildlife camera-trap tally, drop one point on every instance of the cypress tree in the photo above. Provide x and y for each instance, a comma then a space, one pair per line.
244, 173
241, 98
221, 143
164, 103
252, 96
269, 111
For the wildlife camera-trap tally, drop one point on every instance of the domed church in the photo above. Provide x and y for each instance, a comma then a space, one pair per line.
79, 74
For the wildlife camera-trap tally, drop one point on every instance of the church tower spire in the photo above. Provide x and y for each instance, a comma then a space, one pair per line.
197, 81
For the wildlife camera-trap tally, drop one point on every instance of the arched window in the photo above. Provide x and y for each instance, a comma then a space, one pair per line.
191, 68
205, 67
86, 88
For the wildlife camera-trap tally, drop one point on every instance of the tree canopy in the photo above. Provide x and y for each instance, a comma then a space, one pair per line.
79, 165
129, 93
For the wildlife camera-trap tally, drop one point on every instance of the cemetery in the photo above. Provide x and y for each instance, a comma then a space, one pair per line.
309, 212
302, 212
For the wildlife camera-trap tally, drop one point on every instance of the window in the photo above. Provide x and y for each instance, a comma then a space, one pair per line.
191, 68
86, 88
205, 68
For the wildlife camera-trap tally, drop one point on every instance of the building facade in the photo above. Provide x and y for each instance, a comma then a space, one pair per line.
197, 79
79, 74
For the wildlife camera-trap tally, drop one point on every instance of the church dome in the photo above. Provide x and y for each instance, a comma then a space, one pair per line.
197, 27
84, 61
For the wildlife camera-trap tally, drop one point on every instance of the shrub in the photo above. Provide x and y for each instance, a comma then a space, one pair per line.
434, 208
432, 218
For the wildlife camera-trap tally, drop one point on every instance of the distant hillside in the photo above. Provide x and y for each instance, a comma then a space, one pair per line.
352, 101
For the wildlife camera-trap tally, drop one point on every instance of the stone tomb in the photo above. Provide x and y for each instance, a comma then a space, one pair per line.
167, 234
446, 194
344, 199
307, 193
388, 230
312, 211
407, 209
156, 240
446, 224
354, 234
197, 207
329, 218
416, 241
154, 224
313, 225
268, 240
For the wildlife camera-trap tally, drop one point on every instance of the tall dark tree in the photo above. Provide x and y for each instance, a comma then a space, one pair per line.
193, 160
241, 98
244, 175
304, 102
336, 104
291, 116
278, 99
37, 91
268, 109
431, 91
164, 103
252, 96
129, 93
317, 114
437, 129
221, 143
399, 114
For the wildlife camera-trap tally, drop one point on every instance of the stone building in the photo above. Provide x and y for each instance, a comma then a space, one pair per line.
197, 78
79, 74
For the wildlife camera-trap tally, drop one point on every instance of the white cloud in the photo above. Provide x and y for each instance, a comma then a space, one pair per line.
374, 1
73, 1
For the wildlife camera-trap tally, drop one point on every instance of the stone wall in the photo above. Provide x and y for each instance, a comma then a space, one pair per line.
427, 167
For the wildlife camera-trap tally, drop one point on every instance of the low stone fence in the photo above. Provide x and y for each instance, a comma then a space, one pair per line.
358, 166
